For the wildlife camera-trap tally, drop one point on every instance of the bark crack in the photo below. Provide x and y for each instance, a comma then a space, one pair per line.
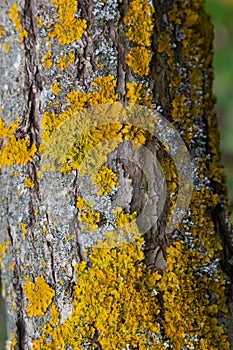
17, 288
33, 78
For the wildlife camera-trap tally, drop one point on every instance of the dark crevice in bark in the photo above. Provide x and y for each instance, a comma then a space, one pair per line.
20, 322
34, 81
224, 234
95, 339
53, 269
120, 44
76, 225
50, 249
86, 8
17, 287
163, 97
159, 66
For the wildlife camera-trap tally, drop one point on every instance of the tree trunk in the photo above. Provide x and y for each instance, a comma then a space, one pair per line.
114, 214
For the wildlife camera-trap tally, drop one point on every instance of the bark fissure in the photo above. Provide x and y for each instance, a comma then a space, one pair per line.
34, 81
17, 288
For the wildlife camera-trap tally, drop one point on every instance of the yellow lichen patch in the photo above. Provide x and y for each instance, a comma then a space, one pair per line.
44, 231
189, 312
14, 16
6, 131
113, 298
55, 315
55, 88
39, 294
77, 100
179, 109
47, 329
80, 100
69, 28
106, 93
29, 183
6, 47
91, 150
14, 151
22, 35
2, 252
39, 21
50, 122
2, 31
139, 60
122, 218
23, 228
19, 191
63, 62
139, 19
47, 60
139, 94
87, 214
136, 134
13, 342
106, 179
17, 152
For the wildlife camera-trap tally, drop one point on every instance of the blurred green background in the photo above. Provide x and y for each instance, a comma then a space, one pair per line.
221, 12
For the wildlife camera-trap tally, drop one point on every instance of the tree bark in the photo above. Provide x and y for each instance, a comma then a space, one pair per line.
115, 228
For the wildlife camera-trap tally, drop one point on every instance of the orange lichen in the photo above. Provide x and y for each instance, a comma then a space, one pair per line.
2, 252
139, 94
108, 297
23, 228
139, 19
136, 134
47, 60
63, 62
22, 35
39, 294
106, 179
122, 218
55, 88
17, 152
14, 151
189, 312
69, 28
139, 59
39, 21
106, 93
14, 16
87, 214
29, 183
6, 47
79, 100
113, 298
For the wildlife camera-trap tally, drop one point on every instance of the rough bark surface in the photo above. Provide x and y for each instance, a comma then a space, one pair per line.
51, 72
